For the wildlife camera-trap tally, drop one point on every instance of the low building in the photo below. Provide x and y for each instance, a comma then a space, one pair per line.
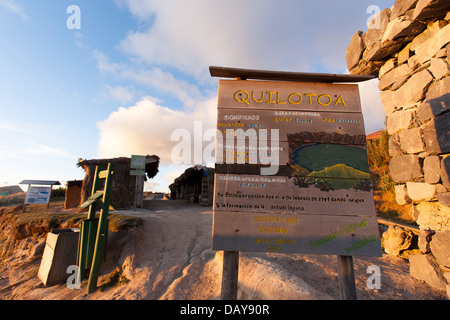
73, 194
124, 184
196, 184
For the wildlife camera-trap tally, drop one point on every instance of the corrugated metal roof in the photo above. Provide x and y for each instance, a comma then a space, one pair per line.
41, 182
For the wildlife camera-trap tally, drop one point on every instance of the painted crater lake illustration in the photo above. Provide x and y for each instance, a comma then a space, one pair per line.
331, 166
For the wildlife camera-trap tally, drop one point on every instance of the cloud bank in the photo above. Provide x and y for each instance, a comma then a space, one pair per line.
176, 42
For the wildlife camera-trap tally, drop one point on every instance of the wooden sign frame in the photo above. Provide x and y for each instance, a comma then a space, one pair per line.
308, 205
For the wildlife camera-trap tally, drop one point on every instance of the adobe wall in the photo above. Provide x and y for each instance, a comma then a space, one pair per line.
409, 52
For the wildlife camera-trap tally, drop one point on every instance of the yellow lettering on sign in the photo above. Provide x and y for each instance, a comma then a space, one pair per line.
309, 95
278, 99
340, 99
294, 98
270, 96
241, 99
260, 100
300, 98
322, 103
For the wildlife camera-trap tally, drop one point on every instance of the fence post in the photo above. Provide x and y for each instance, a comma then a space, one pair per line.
230, 274
346, 278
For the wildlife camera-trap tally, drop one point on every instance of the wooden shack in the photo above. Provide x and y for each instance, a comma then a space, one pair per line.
196, 184
124, 184
73, 194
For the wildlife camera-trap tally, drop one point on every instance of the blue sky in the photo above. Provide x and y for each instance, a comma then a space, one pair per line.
137, 70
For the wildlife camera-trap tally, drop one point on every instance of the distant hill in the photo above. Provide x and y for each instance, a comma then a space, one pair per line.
340, 176
11, 189
340, 171
318, 157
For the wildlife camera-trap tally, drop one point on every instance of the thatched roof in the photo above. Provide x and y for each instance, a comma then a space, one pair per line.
151, 164
190, 173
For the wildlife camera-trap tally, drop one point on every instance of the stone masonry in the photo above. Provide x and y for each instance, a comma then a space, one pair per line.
408, 49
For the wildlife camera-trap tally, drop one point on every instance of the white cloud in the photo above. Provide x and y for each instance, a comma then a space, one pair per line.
171, 176
151, 77
11, 5
119, 93
372, 107
146, 128
191, 35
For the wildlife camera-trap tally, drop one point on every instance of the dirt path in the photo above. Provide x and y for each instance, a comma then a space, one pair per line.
169, 257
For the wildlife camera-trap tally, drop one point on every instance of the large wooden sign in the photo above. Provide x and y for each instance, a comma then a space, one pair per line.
318, 196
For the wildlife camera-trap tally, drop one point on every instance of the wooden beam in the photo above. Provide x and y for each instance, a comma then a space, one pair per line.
244, 74
346, 278
230, 274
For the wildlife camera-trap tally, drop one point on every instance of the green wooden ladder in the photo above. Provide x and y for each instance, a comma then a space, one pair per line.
94, 231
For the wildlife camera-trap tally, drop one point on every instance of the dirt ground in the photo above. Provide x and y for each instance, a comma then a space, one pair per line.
169, 257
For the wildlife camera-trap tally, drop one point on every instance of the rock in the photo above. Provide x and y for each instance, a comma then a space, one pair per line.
444, 198
411, 140
420, 191
431, 9
440, 247
440, 188
424, 240
383, 51
405, 168
439, 68
394, 146
432, 169
403, 26
425, 268
437, 100
387, 99
388, 66
430, 47
404, 55
400, 7
396, 239
432, 29
396, 74
399, 120
445, 172
436, 134
367, 67
414, 89
376, 28
432, 215
401, 195
355, 50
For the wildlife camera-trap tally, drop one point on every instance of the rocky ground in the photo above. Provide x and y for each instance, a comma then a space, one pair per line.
169, 257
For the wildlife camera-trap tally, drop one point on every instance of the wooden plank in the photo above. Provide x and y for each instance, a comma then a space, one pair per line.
137, 172
332, 127
92, 199
346, 278
252, 193
315, 234
97, 195
230, 272
389, 223
240, 142
225, 72
305, 96
103, 174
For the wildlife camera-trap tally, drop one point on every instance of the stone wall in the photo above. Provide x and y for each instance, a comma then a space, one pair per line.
409, 51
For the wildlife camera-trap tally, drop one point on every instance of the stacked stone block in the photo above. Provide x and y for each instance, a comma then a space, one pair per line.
409, 51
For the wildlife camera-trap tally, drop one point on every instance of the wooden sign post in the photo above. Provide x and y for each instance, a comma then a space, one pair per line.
291, 171
137, 168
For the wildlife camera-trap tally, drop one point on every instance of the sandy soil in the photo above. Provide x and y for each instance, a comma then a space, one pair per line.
169, 257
